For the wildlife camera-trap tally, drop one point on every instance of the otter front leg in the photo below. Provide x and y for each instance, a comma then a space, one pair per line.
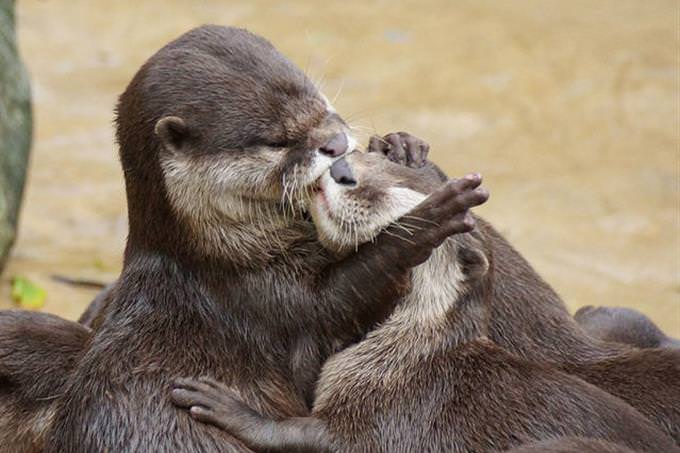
213, 403
407, 150
364, 287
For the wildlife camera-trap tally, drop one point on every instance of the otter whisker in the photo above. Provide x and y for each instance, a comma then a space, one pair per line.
398, 237
410, 226
420, 219
337, 94
402, 227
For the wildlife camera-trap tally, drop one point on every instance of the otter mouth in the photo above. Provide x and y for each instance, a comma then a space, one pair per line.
329, 202
316, 190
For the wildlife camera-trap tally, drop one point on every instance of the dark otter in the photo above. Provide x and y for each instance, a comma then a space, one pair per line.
221, 141
623, 325
426, 379
37, 352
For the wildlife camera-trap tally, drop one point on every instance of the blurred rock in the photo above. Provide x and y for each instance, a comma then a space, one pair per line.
15, 128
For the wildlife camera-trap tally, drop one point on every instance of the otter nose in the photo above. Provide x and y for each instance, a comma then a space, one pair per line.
336, 146
342, 173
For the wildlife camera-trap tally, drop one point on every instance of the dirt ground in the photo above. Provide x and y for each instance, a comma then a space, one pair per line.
569, 109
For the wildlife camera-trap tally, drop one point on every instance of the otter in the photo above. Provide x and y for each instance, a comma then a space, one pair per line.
623, 325
37, 353
222, 141
427, 378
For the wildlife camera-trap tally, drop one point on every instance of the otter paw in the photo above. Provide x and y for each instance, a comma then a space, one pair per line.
402, 148
444, 213
211, 402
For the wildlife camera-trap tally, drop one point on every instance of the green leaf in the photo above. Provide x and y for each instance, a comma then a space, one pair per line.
27, 295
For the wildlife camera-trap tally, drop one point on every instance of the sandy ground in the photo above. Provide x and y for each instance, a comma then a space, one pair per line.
569, 109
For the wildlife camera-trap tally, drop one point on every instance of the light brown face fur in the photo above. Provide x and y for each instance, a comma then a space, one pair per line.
245, 184
348, 215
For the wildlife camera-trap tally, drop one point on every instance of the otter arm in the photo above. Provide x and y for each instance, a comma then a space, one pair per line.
210, 402
363, 288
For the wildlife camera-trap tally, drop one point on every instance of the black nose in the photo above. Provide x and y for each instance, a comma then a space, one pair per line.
336, 146
342, 173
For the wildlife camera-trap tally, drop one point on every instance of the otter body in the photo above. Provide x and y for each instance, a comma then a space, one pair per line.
37, 353
623, 325
571, 445
529, 319
427, 379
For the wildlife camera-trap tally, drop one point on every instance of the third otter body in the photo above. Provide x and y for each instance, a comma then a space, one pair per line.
623, 325
426, 379
221, 140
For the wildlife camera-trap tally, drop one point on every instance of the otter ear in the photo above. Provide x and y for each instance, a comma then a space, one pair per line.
173, 132
473, 262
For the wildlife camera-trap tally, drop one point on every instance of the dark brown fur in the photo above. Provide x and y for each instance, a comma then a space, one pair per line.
623, 325
37, 353
528, 318
571, 445
263, 320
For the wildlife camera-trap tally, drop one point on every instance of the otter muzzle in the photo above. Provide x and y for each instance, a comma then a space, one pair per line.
341, 173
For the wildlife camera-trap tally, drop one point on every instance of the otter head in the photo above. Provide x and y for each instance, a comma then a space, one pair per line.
217, 131
361, 195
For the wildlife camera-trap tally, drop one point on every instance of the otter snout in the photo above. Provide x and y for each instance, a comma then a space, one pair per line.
341, 173
336, 146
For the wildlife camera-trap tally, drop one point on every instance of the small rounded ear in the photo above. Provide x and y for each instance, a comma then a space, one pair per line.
173, 132
473, 262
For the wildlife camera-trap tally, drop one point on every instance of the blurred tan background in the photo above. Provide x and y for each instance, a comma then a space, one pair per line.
569, 109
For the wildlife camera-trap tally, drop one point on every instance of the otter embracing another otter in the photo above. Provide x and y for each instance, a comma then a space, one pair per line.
427, 379
222, 141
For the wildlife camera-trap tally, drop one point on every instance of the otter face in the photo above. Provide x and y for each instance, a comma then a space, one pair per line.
240, 132
362, 194
272, 172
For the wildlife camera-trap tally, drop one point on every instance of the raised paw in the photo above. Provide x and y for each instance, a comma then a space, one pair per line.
402, 148
444, 213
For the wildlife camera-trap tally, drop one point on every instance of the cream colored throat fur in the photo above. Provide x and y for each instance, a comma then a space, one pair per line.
436, 286
437, 283
417, 328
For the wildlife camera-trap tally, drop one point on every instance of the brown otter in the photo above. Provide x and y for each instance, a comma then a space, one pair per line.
426, 379
222, 140
37, 353
623, 325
